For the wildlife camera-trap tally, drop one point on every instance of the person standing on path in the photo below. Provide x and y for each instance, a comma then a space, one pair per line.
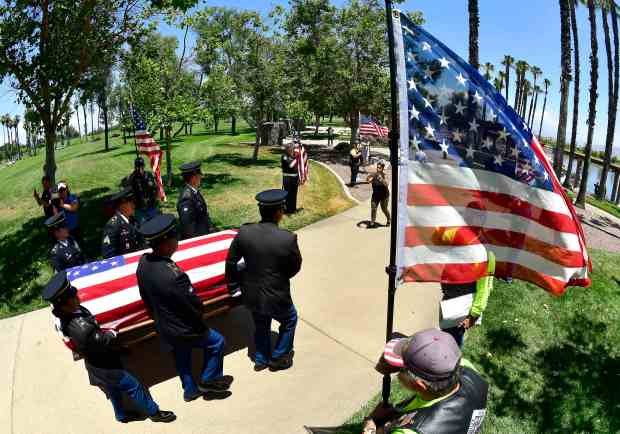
191, 206
355, 161
169, 297
120, 234
290, 177
66, 252
330, 136
380, 194
272, 258
101, 352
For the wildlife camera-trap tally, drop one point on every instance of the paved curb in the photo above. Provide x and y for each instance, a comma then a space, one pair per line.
342, 183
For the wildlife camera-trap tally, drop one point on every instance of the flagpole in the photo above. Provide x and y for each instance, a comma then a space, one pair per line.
393, 135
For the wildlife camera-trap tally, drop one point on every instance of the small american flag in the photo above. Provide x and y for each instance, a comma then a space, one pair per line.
149, 147
474, 178
303, 170
109, 288
369, 127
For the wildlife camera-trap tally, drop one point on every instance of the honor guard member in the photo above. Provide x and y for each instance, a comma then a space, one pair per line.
120, 234
101, 352
177, 311
290, 178
144, 188
191, 206
449, 396
271, 258
66, 252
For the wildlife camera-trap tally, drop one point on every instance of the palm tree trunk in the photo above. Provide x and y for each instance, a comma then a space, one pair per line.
517, 91
542, 116
612, 103
507, 80
85, 121
564, 84
581, 196
573, 139
474, 25
77, 115
534, 112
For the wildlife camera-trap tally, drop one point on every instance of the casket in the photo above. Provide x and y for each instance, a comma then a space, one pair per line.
109, 288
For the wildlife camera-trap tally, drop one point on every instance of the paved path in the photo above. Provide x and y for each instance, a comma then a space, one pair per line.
341, 297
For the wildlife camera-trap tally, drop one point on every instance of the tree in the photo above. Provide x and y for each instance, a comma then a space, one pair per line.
537, 91
581, 196
612, 91
16, 121
507, 62
535, 71
576, 90
488, 70
564, 84
542, 116
500, 81
218, 94
474, 25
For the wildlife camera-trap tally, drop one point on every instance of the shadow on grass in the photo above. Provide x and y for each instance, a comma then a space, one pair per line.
240, 160
97, 152
94, 214
579, 378
209, 181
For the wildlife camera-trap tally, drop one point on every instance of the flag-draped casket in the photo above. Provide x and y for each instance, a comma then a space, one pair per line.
109, 288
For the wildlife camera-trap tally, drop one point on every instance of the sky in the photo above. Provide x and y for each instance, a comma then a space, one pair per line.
527, 30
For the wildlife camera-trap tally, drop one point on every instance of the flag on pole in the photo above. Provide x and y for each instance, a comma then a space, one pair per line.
473, 177
369, 127
303, 170
149, 147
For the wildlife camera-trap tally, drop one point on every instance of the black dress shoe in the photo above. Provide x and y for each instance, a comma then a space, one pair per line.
260, 367
163, 416
192, 397
218, 385
282, 363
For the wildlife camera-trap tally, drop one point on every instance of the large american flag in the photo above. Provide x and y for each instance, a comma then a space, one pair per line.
149, 147
109, 288
369, 127
473, 177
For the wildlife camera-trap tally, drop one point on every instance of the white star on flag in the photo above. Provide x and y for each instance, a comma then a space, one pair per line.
412, 84
443, 119
415, 143
460, 108
412, 57
515, 152
414, 114
426, 46
488, 143
470, 152
445, 63
444, 146
461, 79
427, 103
428, 72
503, 134
473, 126
478, 98
457, 135
430, 131
499, 160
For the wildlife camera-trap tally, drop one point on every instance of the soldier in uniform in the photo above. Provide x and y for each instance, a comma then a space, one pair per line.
120, 234
144, 188
177, 311
101, 352
290, 178
191, 206
271, 258
66, 252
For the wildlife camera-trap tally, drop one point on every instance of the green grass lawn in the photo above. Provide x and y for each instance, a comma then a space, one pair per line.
230, 183
553, 363
605, 205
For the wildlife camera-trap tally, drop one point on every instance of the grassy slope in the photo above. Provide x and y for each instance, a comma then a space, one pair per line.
231, 181
553, 363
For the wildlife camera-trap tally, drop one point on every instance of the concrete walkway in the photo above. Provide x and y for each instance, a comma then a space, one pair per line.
341, 297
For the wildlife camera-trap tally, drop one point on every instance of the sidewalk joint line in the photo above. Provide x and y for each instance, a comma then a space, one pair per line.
339, 342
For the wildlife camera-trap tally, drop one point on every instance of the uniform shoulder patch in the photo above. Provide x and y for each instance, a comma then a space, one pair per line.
106, 240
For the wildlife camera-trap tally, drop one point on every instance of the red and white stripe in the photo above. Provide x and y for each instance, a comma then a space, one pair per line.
373, 129
303, 169
534, 233
149, 147
113, 295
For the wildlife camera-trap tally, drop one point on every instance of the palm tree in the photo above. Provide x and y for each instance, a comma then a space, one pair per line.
542, 116
612, 97
16, 120
474, 25
76, 106
6, 141
488, 70
526, 91
499, 81
507, 62
537, 91
581, 196
564, 83
568, 183
536, 72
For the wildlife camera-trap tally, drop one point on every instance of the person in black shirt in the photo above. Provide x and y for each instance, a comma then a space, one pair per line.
101, 352
170, 298
290, 178
380, 194
355, 161
45, 199
144, 188
66, 252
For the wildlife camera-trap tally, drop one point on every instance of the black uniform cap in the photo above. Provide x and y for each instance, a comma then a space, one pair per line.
271, 198
158, 226
124, 194
56, 221
58, 287
138, 162
190, 168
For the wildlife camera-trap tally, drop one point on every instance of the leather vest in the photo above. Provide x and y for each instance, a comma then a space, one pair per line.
461, 413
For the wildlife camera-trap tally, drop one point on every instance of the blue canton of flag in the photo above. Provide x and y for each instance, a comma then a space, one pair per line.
95, 267
458, 117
